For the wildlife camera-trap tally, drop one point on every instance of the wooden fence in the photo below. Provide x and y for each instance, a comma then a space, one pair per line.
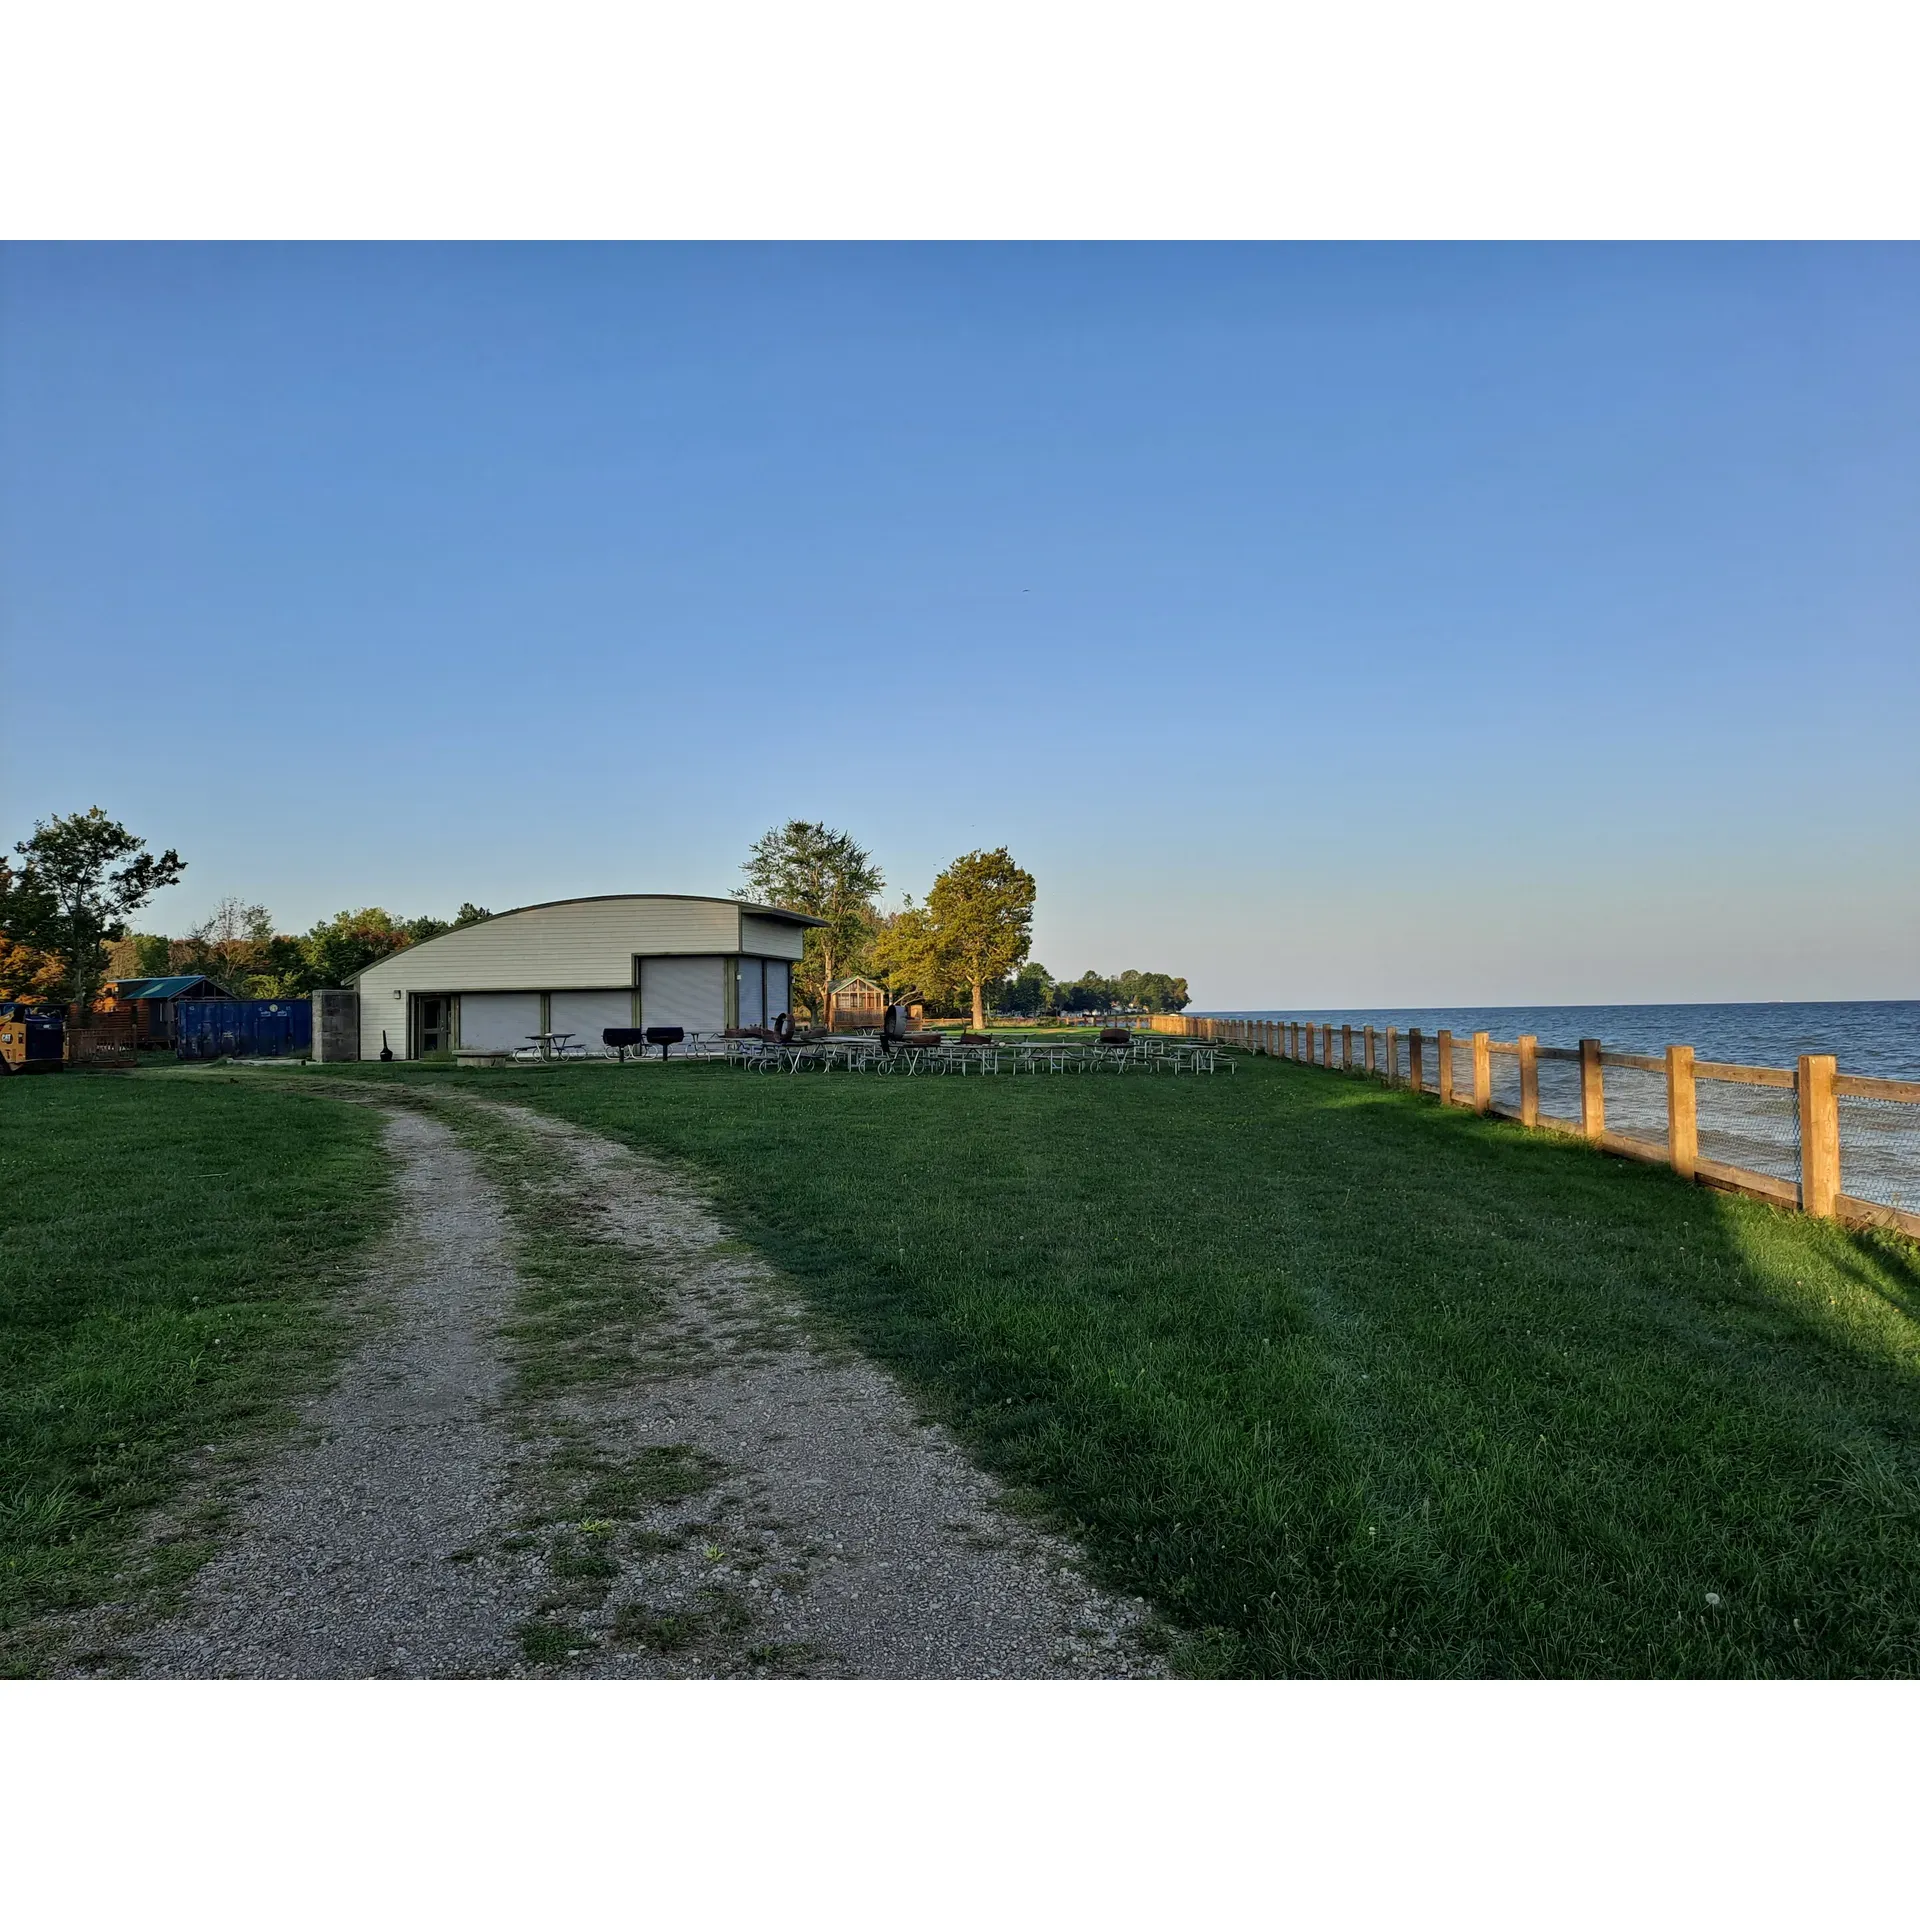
1844, 1146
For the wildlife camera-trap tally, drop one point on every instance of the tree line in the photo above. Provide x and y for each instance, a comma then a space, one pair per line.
73, 884
961, 951
236, 947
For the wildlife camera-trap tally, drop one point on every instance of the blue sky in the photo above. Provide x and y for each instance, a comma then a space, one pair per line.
1335, 626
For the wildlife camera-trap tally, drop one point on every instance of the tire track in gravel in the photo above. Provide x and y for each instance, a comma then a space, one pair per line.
591, 1435
821, 1524
361, 1551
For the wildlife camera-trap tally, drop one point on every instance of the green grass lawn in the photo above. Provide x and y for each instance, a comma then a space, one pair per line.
168, 1248
1346, 1382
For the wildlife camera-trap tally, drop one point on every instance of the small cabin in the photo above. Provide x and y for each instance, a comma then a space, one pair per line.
151, 1002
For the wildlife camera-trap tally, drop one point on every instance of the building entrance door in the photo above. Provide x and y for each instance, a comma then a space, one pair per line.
431, 1020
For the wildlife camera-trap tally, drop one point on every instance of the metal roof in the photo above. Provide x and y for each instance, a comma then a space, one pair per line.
164, 987
581, 899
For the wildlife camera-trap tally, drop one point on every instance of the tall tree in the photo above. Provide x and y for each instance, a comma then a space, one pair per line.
809, 867
982, 909
906, 956
25, 972
81, 875
230, 945
1029, 992
350, 941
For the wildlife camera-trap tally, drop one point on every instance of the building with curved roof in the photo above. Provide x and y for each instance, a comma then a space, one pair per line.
578, 967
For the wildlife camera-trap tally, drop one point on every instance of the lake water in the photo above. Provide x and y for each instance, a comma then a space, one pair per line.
1880, 1037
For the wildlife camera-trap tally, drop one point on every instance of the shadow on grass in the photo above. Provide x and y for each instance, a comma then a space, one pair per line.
1348, 1383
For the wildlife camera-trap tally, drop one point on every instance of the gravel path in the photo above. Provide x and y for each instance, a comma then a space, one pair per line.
724, 1490
844, 1532
342, 1562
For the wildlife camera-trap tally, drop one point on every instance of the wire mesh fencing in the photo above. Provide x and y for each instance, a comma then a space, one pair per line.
1559, 1073
1635, 1093
1749, 1126
1833, 1144
1505, 1088
1880, 1151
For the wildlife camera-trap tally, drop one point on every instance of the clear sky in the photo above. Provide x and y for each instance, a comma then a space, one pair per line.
1335, 626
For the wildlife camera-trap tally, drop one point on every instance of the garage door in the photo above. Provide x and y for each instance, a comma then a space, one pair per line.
588, 1015
753, 998
498, 1020
683, 993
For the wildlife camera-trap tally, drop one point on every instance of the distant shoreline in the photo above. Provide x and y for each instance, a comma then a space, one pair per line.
1868, 1036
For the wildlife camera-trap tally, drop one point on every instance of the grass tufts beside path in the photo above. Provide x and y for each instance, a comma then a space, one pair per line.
170, 1243
1347, 1383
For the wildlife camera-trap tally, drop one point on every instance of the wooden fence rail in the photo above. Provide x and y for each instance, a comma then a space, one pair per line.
1816, 1086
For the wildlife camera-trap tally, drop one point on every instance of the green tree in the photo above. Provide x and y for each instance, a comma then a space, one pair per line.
152, 956
1086, 995
982, 909
81, 875
809, 867
228, 946
280, 969
341, 946
1163, 993
906, 958
1029, 992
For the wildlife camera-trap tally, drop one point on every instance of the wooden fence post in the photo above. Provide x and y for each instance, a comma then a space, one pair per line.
1313, 1056
1416, 1066
1482, 1073
1443, 1065
1819, 1134
1683, 1123
1367, 1041
1593, 1091
1393, 1054
1326, 1045
1346, 1048
1529, 1080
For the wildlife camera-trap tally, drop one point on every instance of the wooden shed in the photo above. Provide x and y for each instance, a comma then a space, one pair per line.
856, 1003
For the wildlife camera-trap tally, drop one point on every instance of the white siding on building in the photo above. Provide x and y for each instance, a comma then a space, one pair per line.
683, 993
588, 1015
575, 947
777, 939
499, 1021
573, 943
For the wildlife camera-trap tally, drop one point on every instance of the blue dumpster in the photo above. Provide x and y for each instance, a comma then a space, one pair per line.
209, 1029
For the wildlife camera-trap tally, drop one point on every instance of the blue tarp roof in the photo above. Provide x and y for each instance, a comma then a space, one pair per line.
168, 987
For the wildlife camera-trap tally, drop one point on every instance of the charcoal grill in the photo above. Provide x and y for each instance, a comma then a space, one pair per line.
665, 1037
621, 1038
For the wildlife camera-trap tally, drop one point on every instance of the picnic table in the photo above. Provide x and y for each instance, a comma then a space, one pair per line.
551, 1046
